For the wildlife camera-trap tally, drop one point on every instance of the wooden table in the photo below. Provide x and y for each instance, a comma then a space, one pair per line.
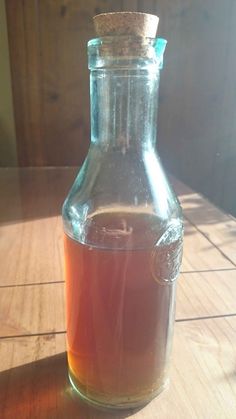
33, 377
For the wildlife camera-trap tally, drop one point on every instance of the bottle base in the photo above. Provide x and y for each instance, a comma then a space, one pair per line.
117, 404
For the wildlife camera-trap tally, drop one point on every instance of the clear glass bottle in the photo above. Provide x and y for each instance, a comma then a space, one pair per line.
123, 234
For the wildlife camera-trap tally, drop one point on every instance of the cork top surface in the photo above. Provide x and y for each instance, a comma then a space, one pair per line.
126, 23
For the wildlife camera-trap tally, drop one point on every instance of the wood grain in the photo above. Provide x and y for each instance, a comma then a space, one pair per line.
203, 294
32, 193
31, 231
41, 307
218, 227
25, 55
32, 309
33, 368
199, 253
197, 96
31, 248
36, 247
32, 251
48, 52
33, 381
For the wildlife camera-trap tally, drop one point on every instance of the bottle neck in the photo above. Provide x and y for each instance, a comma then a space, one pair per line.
124, 107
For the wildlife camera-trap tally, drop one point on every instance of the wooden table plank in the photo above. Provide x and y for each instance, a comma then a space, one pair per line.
203, 382
32, 252
33, 381
37, 309
199, 254
33, 193
213, 223
32, 309
36, 248
31, 231
206, 294
31, 234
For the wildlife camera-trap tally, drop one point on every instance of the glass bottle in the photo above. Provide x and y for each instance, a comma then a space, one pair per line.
123, 234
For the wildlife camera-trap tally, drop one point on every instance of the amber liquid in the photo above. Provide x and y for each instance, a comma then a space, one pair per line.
119, 316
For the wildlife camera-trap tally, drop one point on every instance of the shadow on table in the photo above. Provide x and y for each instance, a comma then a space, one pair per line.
32, 193
41, 390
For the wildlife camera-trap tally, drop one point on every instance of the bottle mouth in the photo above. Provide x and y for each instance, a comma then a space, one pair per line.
126, 50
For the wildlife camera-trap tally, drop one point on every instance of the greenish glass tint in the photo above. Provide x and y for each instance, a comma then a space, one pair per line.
123, 234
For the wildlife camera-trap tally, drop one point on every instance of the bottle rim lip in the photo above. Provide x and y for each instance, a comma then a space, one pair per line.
151, 49
95, 42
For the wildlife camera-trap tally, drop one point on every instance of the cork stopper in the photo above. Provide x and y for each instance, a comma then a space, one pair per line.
126, 23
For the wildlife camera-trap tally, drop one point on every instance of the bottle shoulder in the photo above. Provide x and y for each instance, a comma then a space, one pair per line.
129, 188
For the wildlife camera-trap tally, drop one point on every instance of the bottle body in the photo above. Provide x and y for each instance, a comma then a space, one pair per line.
123, 240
